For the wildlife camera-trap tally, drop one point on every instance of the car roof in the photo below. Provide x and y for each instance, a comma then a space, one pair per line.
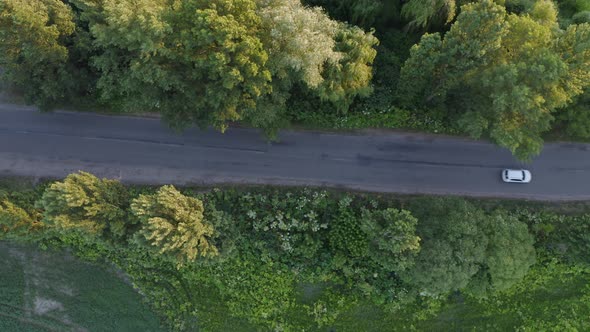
514, 172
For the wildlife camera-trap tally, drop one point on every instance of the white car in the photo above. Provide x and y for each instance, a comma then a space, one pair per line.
516, 175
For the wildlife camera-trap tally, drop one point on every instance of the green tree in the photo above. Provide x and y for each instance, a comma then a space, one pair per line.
453, 246
393, 241
174, 224
464, 248
500, 75
509, 255
86, 203
193, 61
429, 13
33, 49
331, 59
349, 77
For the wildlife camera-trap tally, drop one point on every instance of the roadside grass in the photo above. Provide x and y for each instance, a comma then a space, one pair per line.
53, 291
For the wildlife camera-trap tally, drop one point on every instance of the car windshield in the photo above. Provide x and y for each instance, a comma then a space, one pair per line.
523, 175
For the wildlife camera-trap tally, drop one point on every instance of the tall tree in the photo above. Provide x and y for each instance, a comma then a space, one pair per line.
193, 61
349, 77
174, 224
333, 60
509, 255
465, 248
500, 75
33, 49
86, 203
453, 246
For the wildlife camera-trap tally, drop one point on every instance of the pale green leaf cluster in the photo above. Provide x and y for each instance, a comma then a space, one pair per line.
174, 224
298, 39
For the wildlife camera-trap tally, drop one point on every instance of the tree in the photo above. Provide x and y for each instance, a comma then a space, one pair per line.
509, 255
33, 49
299, 40
16, 223
453, 246
464, 248
393, 240
331, 59
500, 75
86, 203
193, 61
346, 237
428, 13
349, 77
174, 224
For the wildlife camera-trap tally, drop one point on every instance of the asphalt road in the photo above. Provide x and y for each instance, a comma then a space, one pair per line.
142, 150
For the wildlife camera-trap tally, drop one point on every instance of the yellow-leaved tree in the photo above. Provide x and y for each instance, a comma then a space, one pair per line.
174, 224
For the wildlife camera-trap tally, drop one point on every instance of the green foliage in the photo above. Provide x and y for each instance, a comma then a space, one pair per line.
349, 77
174, 224
393, 241
576, 118
363, 13
33, 49
299, 39
328, 308
86, 203
260, 291
346, 236
567, 308
424, 14
194, 62
453, 247
573, 12
306, 260
509, 254
465, 248
290, 224
566, 237
506, 73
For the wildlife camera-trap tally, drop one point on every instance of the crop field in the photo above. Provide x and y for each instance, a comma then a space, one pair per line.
53, 291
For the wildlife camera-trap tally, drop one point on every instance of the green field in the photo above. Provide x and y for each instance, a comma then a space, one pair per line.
53, 291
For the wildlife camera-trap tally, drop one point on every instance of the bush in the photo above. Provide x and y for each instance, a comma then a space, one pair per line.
261, 292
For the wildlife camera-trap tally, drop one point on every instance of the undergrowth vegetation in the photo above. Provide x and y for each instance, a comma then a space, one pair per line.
303, 259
